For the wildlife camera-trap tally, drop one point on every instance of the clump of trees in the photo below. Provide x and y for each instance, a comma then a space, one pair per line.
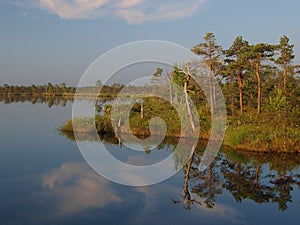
253, 72
47, 89
261, 87
260, 76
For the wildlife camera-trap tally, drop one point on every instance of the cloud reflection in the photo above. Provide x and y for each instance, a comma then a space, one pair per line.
78, 188
159, 194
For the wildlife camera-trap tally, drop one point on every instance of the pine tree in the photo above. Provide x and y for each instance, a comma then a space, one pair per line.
237, 60
212, 57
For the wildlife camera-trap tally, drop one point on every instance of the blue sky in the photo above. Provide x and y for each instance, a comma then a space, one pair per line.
56, 40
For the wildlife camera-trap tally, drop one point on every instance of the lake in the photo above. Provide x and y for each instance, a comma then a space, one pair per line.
45, 180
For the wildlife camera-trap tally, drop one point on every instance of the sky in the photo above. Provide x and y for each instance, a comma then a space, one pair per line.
55, 41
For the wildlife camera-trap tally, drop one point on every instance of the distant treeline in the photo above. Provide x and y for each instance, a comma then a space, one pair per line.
47, 89
59, 89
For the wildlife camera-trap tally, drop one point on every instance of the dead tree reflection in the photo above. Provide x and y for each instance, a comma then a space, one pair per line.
205, 185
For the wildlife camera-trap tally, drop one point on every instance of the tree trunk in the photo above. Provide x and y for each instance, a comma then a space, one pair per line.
171, 93
232, 104
232, 99
211, 89
118, 129
284, 78
285, 104
214, 93
142, 105
188, 104
160, 88
258, 88
240, 83
142, 110
170, 88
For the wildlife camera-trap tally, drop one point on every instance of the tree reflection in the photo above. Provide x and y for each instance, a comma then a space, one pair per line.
37, 99
261, 178
257, 177
187, 200
209, 185
51, 100
242, 180
205, 185
245, 179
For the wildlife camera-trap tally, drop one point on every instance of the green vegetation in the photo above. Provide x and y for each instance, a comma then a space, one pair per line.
266, 133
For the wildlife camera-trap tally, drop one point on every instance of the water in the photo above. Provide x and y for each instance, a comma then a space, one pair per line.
44, 180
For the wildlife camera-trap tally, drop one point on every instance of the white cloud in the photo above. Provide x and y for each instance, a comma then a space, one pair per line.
168, 11
74, 9
128, 3
132, 16
132, 11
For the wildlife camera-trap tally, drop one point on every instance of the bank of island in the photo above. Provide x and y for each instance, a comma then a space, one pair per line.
264, 133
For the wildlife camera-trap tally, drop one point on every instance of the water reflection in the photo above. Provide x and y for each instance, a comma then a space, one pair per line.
44, 180
257, 177
36, 99
77, 190
77, 187
51, 100
261, 178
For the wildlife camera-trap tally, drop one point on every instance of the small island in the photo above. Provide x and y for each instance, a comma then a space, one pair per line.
260, 84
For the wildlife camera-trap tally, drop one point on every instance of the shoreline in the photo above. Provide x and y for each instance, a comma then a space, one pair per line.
239, 148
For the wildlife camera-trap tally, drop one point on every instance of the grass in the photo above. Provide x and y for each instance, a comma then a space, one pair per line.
267, 133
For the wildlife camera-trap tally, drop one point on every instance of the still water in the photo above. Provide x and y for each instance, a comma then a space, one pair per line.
44, 180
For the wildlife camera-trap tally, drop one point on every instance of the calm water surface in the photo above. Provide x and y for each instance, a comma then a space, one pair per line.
44, 180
